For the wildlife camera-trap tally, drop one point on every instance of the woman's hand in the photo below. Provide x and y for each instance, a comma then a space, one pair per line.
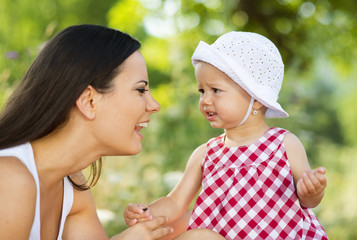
149, 230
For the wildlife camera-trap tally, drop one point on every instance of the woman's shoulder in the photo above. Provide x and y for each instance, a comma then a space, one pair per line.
14, 172
22, 153
18, 198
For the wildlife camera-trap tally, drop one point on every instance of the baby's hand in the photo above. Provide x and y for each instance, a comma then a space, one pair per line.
312, 183
135, 213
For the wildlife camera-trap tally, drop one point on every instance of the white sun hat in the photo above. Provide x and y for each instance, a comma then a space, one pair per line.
252, 61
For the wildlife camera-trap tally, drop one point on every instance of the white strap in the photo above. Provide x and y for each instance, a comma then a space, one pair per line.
248, 112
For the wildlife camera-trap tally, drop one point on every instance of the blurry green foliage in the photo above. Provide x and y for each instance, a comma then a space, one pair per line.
123, 10
317, 40
25, 26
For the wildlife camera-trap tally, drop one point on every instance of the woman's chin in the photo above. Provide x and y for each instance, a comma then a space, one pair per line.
124, 152
134, 150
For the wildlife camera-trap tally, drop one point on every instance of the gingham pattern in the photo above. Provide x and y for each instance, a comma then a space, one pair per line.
248, 193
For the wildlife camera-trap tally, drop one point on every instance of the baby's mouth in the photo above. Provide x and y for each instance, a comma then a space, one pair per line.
211, 116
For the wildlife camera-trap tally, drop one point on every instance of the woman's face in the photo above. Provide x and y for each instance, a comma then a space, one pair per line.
123, 112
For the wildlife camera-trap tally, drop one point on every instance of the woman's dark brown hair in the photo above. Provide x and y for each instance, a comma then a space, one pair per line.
73, 59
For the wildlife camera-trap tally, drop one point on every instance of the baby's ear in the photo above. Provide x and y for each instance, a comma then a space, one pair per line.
258, 105
87, 102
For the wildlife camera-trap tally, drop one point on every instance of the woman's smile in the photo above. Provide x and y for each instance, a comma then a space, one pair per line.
140, 126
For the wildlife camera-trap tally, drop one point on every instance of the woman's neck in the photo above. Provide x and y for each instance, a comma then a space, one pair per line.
62, 153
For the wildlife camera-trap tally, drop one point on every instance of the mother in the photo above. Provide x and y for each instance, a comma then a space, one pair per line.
85, 96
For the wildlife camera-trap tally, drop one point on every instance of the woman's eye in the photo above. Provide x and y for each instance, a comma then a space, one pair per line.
142, 90
201, 91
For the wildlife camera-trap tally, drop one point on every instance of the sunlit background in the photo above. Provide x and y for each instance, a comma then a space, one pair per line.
317, 40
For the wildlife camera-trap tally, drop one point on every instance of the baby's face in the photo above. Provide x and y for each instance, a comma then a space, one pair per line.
222, 102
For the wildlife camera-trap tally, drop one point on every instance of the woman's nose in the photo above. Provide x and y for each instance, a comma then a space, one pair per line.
153, 106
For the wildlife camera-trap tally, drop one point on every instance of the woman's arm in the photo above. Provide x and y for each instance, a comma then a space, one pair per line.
17, 199
83, 223
310, 184
151, 230
175, 204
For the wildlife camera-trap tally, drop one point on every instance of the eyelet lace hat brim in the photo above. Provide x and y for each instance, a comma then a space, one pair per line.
250, 60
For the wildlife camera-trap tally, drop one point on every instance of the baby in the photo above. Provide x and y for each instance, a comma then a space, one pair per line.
255, 180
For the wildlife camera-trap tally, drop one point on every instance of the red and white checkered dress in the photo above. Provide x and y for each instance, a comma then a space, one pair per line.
248, 193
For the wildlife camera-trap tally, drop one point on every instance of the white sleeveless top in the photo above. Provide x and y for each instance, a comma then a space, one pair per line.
25, 154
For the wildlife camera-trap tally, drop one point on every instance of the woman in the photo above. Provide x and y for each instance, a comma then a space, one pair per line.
85, 96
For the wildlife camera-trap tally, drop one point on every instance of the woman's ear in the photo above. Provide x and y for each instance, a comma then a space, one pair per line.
87, 102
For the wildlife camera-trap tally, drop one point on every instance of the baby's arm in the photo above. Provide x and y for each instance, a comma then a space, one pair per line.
175, 204
310, 184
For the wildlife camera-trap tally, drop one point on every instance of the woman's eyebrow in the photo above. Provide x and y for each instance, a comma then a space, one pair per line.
143, 81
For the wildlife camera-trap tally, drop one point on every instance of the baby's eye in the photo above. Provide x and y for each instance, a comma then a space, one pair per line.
215, 90
201, 91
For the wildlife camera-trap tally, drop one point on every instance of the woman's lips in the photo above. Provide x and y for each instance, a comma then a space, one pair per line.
140, 126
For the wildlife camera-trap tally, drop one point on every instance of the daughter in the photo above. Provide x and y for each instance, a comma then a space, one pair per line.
256, 180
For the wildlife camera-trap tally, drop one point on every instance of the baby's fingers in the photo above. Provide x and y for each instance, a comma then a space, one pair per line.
137, 208
310, 181
320, 170
138, 217
319, 173
137, 211
314, 181
301, 187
